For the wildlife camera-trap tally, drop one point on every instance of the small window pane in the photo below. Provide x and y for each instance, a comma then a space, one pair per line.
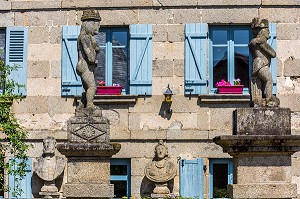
241, 36
101, 38
119, 38
100, 69
118, 170
119, 188
220, 180
120, 66
241, 65
219, 36
220, 68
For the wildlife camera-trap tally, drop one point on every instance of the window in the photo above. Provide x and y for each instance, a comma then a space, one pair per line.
120, 177
114, 65
221, 52
13, 44
113, 59
229, 54
220, 172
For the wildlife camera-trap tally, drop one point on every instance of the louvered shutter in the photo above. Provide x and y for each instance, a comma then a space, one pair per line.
273, 67
71, 83
16, 54
141, 59
192, 178
195, 61
25, 184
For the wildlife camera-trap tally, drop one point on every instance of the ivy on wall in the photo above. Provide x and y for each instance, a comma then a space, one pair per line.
12, 135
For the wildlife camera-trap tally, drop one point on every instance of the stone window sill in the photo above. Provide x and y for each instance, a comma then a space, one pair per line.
222, 98
113, 99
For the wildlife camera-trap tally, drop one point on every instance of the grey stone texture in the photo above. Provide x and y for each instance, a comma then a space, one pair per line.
27, 5
162, 68
291, 67
288, 31
86, 191
280, 14
262, 121
38, 69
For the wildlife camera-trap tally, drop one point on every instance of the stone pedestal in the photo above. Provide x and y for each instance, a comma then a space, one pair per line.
261, 147
88, 151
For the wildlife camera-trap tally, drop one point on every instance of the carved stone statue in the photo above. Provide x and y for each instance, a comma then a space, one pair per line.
161, 169
262, 53
49, 167
87, 52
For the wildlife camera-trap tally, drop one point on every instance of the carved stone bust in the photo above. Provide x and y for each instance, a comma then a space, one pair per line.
161, 169
48, 166
262, 53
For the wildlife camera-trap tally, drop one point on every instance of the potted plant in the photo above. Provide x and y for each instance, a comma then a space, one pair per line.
102, 89
227, 88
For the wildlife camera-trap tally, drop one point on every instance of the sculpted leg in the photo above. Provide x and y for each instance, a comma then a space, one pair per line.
265, 75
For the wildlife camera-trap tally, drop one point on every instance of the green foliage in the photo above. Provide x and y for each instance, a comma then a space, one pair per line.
12, 135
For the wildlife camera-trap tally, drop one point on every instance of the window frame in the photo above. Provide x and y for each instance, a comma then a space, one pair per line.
230, 50
230, 172
109, 54
127, 178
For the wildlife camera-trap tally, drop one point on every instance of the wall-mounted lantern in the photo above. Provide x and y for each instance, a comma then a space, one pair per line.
168, 95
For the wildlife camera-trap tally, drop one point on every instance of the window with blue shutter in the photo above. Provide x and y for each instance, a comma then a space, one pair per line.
70, 81
192, 178
16, 54
195, 66
273, 42
120, 177
220, 175
141, 59
229, 55
24, 183
114, 67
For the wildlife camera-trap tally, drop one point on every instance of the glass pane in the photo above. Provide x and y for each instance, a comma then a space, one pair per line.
120, 66
241, 65
220, 180
219, 36
241, 36
101, 38
100, 70
220, 68
2, 43
118, 170
120, 189
119, 38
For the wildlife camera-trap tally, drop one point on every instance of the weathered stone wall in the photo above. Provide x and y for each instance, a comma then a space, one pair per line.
192, 125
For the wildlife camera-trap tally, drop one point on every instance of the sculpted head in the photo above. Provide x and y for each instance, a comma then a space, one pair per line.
49, 144
161, 150
90, 22
260, 27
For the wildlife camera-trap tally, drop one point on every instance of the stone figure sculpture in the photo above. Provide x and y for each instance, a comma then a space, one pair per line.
49, 167
161, 169
262, 53
87, 53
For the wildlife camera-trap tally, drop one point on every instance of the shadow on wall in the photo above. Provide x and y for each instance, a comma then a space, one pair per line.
165, 110
147, 187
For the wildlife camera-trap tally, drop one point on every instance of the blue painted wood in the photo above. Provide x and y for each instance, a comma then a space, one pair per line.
273, 42
123, 177
25, 184
230, 172
71, 83
16, 54
191, 178
195, 52
141, 59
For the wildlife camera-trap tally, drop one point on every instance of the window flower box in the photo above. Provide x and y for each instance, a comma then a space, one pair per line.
231, 89
109, 90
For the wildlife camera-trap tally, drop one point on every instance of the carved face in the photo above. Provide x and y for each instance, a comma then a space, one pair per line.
265, 33
92, 27
161, 152
49, 146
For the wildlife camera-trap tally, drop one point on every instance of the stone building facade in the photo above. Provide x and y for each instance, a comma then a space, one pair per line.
139, 121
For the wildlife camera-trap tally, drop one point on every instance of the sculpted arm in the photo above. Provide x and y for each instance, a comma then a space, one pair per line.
87, 47
267, 49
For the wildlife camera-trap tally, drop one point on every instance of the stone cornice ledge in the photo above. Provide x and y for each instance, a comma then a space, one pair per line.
222, 98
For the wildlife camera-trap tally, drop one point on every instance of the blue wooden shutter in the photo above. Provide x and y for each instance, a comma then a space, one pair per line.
25, 184
141, 59
195, 62
16, 54
273, 67
191, 178
71, 83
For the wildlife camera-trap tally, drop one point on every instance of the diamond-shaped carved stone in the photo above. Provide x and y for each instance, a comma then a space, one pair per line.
88, 132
